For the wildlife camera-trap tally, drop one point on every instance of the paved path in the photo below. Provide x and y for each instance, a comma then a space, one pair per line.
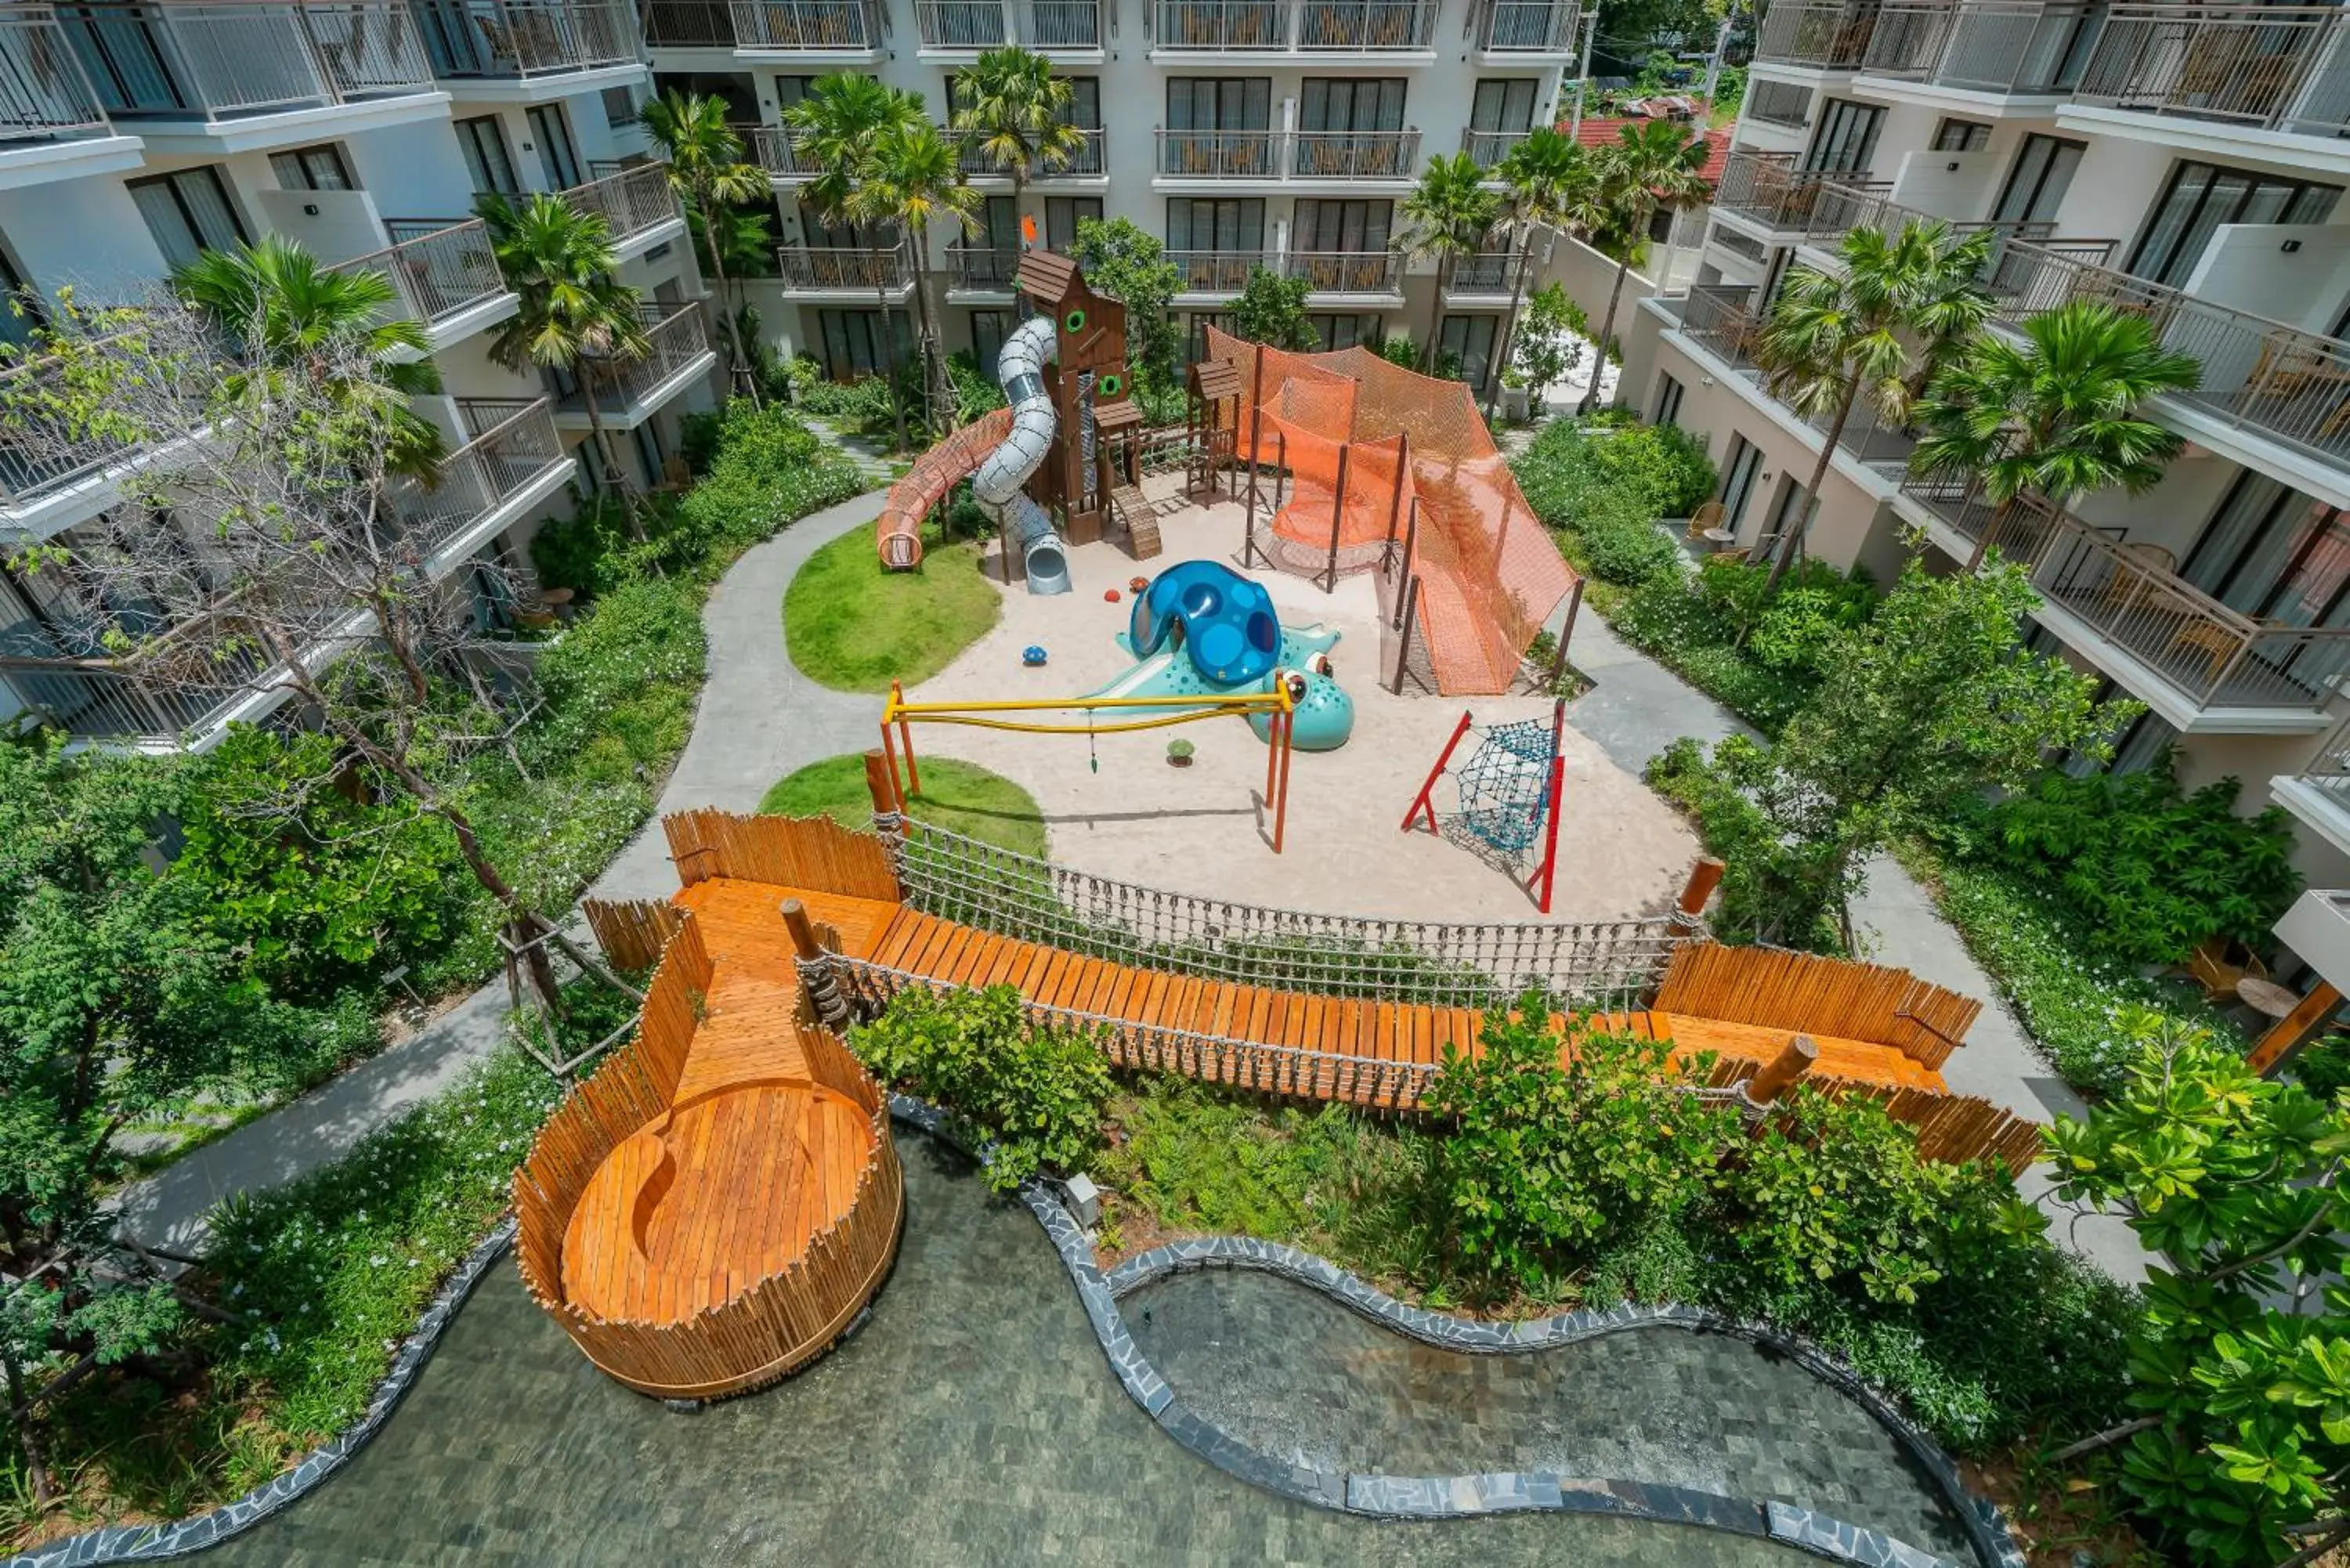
759, 720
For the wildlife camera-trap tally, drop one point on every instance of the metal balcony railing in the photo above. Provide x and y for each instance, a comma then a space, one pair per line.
2280, 68
1488, 148
631, 202
805, 27
1983, 45
518, 446
1218, 272
1827, 35
175, 60
468, 38
44, 446
1366, 26
676, 335
962, 24
975, 163
1346, 271
1222, 25
823, 267
1768, 189
1837, 208
2330, 769
1354, 27
44, 94
1778, 103
976, 267
773, 146
1061, 24
2127, 593
688, 23
1526, 26
1352, 154
438, 267
1721, 317
1219, 154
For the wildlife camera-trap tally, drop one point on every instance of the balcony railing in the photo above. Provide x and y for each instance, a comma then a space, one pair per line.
517, 445
438, 267
2330, 769
176, 61
1527, 26
44, 94
1722, 318
1347, 272
1371, 26
2272, 378
1352, 154
1355, 26
467, 38
978, 268
1778, 103
688, 23
776, 152
44, 447
1838, 208
1768, 189
1827, 35
2211, 654
1982, 46
676, 335
962, 24
805, 27
1488, 148
1488, 272
825, 267
1086, 161
2280, 68
1062, 23
630, 203
1219, 154
1218, 272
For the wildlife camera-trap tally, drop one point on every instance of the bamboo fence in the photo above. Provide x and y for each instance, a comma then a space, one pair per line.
632, 931
1798, 992
781, 1322
812, 853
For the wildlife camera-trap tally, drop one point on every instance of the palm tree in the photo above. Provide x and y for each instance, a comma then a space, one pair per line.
1655, 166
2055, 415
1011, 112
916, 179
707, 171
1446, 216
1547, 184
276, 297
575, 315
1830, 339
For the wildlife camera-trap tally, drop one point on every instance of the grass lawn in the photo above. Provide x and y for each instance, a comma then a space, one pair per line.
855, 627
959, 797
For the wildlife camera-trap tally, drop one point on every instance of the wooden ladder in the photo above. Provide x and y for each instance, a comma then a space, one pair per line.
1142, 521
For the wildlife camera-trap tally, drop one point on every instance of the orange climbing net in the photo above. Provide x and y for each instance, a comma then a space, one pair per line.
1489, 573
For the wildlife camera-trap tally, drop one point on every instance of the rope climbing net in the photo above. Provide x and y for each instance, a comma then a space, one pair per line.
1510, 790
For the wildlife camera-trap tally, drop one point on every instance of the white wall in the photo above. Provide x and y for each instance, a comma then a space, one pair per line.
1957, 185
83, 232
2247, 267
333, 226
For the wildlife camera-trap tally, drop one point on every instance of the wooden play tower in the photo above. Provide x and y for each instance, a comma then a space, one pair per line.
1092, 477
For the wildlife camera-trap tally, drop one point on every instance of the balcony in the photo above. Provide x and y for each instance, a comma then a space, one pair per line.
1352, 154
1998, 47
2320, 797
976, 270
1218, 272
820, 269
2271, 68
962, 24
1050, 25
444, 272
1379, 273
633, 203
202, 62
1820, 209
1487, 147
519, 39
1295, 26
773, 148
627, 392
44, 96
46, 447
1219, 154
769, 27
515, 457
1782, 104
688, 23
1489, 275
1766, 188
1521, 28
1818, 35
2196, 661
1720, 319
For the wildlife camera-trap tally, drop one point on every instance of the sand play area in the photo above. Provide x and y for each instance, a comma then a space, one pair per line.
1117, 808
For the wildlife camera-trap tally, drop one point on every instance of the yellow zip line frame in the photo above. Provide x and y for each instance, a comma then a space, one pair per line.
898, 717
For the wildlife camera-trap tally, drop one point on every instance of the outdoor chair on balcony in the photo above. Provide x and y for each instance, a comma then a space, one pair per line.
2217, 963
1705, 526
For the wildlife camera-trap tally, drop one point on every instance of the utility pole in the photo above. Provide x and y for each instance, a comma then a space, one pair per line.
1714, 66
1590, 28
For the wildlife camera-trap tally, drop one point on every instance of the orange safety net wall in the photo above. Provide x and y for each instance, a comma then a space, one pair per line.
1489, 573
935, 472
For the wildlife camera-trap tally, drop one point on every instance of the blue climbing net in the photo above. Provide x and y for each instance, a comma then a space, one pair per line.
1505, 784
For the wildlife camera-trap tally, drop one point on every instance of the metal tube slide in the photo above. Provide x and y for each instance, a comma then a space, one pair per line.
1020, 369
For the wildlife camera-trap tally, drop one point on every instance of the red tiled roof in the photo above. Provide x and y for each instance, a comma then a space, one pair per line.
1602, 133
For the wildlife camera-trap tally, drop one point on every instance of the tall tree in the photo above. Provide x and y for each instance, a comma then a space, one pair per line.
708, 171
916, 181
1130, 265
575, 315
1271, 310
1012, 110
1446, 217
1655, 166
1548, 186
1831, 337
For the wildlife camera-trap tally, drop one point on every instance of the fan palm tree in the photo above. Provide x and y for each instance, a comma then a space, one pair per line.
1012, 110
575, 315
1547, 185
1829, 339
707, 171
286, 308
1446, 217
2055, 415
916, 179
1655, 166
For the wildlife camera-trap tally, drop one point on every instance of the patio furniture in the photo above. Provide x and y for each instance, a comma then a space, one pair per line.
2217, 964
1705, 527
2266, 997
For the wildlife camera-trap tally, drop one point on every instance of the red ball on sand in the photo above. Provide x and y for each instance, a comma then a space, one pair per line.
1110, 595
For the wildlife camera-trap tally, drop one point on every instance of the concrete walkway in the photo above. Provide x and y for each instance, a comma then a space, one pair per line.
759, 720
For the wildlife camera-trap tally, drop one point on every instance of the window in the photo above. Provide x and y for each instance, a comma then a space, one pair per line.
790, 90
1220, 103
1503, 105
1085, 103
1197, 337
2275, 555
484, 143
1061, 216
2202, 196
187, 213
551, 134
989, 328
821, 235
311, 169
1669, 401
1846, 138
1346, 331
1351, 103
1738, 479
619, 107
854, 346
2036, 186
999, 229
1230, 224
1961, 135
1464, 344
1342, 228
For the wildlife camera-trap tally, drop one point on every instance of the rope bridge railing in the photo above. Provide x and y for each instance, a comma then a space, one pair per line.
1607, 966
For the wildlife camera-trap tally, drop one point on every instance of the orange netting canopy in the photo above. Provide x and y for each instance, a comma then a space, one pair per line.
1489, 573
898, 531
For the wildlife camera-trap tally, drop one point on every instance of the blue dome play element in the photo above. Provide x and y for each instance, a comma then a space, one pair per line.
1229, 629
1032, 655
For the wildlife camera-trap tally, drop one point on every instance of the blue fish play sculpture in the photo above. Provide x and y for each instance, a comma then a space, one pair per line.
1202, 629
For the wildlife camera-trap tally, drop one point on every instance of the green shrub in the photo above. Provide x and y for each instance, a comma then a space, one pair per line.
1662, 462
1772, 890
620, 684
2323, 1067
1035, 1092
975, 388
1606, 494
586, 551
770, 469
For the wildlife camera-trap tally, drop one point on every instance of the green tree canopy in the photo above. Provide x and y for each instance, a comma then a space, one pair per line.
1121, 260
1271, 309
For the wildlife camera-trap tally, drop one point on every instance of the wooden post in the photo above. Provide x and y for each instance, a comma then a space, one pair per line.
881, 781
1501, 536
1403, 571
813, 961
805, 944
1395, 500
2292, 1031
905, 738
1782, 1071
1566, 631
1410, 621
1703, 878
1337, 518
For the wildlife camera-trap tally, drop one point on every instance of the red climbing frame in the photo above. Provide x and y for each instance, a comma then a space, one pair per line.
1424, 802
